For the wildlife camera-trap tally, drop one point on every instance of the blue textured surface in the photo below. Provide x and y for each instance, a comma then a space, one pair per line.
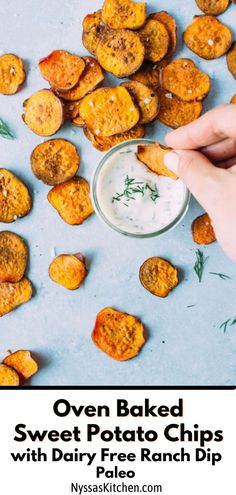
185, 345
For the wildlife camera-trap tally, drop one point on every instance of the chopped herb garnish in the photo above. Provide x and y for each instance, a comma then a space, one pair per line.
154, 192
221, 275
5, 132
230, 322
191, 305
199, 264
132, 188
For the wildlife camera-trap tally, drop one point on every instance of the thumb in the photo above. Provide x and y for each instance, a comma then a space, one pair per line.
202, 178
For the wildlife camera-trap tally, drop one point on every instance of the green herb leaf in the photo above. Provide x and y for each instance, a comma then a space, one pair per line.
199, 264
221, 275
227, 323
133, 187
5, 132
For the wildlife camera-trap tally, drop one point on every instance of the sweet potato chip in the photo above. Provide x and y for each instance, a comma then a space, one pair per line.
119, 335
233, 99
202, 230
13, 295
185, 80
62, 69
71, 109
43, 113
78, 122
12, 74
68, 270
123, 14
13, 257
90, 79
231, 60
120, 52
155, 38
208, 37
106, 143
171, 28
149, 74
72, 200
109, 111
93, 30
175, 112
55, 161
145, 98
152, 155
15, 199
8, 377
158, 276
23, 363
212, 7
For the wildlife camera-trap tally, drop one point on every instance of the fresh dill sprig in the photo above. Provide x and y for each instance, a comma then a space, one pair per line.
221, 275
5, 132
133, 187
199, 264
154, 192
230, 322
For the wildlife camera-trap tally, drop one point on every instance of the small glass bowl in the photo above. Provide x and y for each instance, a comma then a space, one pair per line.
101, 214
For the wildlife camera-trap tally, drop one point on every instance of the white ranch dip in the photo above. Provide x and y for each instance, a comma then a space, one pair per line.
134, 199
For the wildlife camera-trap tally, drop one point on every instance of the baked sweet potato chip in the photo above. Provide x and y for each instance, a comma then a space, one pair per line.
208, 37
55, 161
68, 270
106, 143
93, 30
72, 200
90, 79
15, 199
174, 112
149, 74
62, 69
13, 295
78, 122
109, 111
120, 52
152, 155
212, 7
12, 74
171, 28
202, 230
155, 38
158, 276
119, 335
23, 363
233, 99
123, 14
71, 109
43, 113
145, 98
185, 80
8, 377
13, 257
231, 60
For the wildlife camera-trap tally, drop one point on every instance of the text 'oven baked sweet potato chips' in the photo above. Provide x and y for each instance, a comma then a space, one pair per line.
23, 363
12, 74
119, 335
15, 199
106, 143
156, 40
13, 257
44, 113
72, 200
123, 14
68, 270
152, 155
92, 76
158, 276
62, 69
208, 37
202, 230
185, 80
174, 112
13, 295
145, 98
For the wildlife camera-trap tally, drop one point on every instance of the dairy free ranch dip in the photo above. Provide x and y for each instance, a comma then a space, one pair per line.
132, 198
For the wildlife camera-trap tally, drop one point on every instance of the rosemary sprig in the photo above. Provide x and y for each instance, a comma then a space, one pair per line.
221, 275
5, 132
133, 187
230, 322
199, 264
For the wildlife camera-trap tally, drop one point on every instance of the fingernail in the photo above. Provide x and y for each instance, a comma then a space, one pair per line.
171, 161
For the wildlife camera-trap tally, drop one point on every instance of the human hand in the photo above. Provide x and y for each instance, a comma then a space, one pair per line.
210, 172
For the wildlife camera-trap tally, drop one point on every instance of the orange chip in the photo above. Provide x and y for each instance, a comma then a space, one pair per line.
68, 270
145, 98
72, 200
8, 377
185, 80
13, 257
13, 295
106, 143
202, 230
123, 14
152, 155
231, 60
171, 27
119, 335
208, 37
93, 30
90, 79
175, 112
149, 73
155, 38
158, 276
79, 122
213, 7
55, 161
12, 74
23, 363
15, 199
44, 113
62, 69
71, 109
233, 99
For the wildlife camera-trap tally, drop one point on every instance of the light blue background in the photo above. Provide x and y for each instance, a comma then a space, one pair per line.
185, 345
